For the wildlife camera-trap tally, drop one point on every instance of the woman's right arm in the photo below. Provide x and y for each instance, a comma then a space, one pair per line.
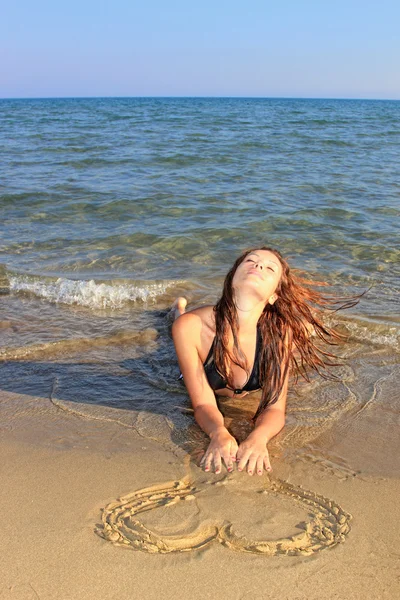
186, 333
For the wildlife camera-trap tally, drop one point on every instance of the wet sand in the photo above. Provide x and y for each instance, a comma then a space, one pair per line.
318, 528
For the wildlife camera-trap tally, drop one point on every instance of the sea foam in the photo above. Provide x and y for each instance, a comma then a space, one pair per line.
89, 293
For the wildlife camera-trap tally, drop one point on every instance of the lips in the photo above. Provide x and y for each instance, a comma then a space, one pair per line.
255, 272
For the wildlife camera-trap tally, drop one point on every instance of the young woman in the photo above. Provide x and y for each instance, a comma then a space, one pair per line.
262, 328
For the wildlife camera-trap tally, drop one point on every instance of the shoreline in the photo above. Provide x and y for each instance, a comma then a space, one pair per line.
59, 471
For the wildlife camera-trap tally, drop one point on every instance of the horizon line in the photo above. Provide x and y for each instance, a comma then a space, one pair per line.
197, 97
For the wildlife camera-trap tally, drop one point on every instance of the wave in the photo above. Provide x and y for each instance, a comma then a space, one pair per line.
78, 345
377, 336
369, 331
90, 294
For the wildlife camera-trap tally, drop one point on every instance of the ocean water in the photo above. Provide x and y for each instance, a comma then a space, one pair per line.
110, 208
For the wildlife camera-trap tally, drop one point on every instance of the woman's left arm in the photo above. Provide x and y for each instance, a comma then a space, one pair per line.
253, 450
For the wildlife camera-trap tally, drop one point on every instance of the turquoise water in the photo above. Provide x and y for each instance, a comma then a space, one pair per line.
112, 207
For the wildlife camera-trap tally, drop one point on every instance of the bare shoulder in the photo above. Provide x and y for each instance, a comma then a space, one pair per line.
195, 320
205, 313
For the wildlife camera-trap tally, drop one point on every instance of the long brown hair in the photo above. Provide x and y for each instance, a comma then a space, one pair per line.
286, 329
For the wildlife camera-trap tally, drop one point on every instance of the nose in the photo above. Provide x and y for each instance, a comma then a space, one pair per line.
259, 264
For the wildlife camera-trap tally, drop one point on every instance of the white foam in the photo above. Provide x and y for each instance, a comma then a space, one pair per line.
379, 336
370, 331
88, 293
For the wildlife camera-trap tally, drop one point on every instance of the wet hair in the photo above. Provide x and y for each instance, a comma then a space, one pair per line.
286, 328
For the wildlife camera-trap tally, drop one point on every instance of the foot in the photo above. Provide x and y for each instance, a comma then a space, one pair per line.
179, 307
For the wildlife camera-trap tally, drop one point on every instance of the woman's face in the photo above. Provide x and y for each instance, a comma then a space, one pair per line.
260, 272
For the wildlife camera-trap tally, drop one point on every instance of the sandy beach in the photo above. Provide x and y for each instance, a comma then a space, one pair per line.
111, 208
59, 471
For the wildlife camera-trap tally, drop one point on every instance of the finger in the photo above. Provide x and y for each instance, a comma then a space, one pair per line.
230, 456
228, 460
234, 450
251, 464
217, 462
203, 458
243, 460
226, 457
208, 461
267, 464
260, 465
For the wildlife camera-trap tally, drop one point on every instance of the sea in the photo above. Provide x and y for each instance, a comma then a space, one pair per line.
110, 208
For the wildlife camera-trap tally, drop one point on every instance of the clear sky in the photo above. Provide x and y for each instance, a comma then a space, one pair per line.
291, 48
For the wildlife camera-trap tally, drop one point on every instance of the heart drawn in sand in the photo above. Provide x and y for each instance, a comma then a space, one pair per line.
327, 527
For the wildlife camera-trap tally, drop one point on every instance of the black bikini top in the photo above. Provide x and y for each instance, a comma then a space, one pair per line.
217, 382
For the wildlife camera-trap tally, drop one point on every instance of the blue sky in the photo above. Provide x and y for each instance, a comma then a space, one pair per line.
303, 48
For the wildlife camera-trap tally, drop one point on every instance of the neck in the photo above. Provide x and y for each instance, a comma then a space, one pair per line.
249, 310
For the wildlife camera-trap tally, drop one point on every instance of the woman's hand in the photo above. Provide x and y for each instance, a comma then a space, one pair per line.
222, 447
253, 453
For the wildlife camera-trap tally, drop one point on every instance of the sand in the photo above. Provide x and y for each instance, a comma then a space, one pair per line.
92, 510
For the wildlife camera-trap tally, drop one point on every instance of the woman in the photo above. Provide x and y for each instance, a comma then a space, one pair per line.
260, 329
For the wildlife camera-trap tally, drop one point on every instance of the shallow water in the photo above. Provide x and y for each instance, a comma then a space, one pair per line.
110, 208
